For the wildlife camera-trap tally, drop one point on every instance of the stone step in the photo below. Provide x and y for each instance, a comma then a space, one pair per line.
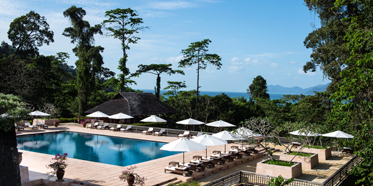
171, 181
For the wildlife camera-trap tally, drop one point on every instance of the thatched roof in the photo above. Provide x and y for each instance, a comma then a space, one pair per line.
134, 104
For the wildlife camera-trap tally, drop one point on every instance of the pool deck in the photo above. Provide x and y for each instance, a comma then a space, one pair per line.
105, 174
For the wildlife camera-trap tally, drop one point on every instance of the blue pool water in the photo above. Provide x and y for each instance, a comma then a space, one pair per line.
97, 148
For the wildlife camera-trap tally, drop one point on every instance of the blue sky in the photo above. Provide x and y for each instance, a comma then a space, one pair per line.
252, 37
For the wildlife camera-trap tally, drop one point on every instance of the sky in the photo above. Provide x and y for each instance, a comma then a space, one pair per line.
252, 38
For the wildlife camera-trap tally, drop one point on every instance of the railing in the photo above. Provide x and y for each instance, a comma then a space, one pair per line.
338, 177
254, 178
259, 179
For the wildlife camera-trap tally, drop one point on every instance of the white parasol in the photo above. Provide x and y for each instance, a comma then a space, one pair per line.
183, 144
98, 114
120, 116
38, 113
225, 135
209, 140
190, 121
304, 133
338, 134
220, 123
153, 118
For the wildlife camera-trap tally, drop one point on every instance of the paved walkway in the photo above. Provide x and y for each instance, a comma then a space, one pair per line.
104, 174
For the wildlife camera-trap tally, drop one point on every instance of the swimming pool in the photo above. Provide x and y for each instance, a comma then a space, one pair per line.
96, 148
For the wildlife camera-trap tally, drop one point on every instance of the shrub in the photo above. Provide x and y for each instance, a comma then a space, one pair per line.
278, 162
301, 154
315, 147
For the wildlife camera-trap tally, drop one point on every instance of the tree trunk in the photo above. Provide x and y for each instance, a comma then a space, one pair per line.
158, 86
196, 112
123, 66
9, 159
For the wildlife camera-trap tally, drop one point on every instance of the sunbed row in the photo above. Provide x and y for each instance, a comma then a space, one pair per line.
28, 125
200, 163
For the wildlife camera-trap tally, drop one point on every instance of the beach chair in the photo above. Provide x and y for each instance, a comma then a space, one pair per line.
198, 134
18, 127
160, 133
129, 127
194, 166
28, 125
217, 157
116, 128
185, 134
148, 132
94, 126
175, 167
41, 125
105, 126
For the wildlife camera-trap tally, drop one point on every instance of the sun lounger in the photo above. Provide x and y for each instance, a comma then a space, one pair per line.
185, 134
347, 150
41, 125
160, 133
105, 126
194, 166
198, 134
95, 125
27, 124
18, 127
235, 153
116, 128
148, 132
208, 162
295, 144
174, 167
226, 157
129, 127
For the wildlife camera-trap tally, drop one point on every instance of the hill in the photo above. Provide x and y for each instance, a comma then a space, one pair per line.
278, 89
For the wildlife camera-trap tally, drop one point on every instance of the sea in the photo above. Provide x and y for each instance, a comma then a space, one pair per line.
214, 93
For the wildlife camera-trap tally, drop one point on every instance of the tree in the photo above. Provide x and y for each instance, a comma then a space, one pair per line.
89, 58
15, 108
157, 69
258, 89
124, 25
29, 32
196, 53
174, 86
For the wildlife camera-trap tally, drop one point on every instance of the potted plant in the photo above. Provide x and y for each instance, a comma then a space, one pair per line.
56, 123
58, 165
131, 177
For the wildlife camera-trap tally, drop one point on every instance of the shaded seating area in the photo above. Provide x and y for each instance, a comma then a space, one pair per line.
28, 125
104, 126
160, 133
347, 150
175, 167
128, 128
185, 134
18, 127
38, 124
148, 132
117, 128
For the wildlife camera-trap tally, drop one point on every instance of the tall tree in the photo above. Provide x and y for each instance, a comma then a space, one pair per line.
9, 167
124, 24
29, 32
196, 53
258, 89
157, 69
174, 86
89, 58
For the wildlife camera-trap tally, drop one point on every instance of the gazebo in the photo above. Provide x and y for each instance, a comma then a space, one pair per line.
134, 104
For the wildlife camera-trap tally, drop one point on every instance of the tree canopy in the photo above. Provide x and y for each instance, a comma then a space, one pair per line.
258, 89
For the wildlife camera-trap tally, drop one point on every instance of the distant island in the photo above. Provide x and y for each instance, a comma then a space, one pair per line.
278, 89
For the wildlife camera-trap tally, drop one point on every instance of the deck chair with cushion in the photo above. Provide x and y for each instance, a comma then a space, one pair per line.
148, 132
116, 128
128, 128
160, 133
28, 125
185, 134
198, 134
41, 125
18, 127
105, 126
175, 167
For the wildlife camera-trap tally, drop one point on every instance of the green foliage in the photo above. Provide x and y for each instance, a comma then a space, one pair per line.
123, 24
15, 110
279, 181
29, 32
157, 69
301, 154
279, 162
258, 89
314, 146
192, 183
196, 53
174, 86
89, 62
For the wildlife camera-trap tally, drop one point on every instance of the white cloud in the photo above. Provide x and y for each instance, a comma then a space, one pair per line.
174, 59
300, 71
235, 59
247, 59
289, 74
273, 65
292, 62
235, 69
87, 3
170, 5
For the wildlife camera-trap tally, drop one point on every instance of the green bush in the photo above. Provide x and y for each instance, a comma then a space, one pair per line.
70, 120
192, 183
158, 124
278, 162
301, 154
315, 147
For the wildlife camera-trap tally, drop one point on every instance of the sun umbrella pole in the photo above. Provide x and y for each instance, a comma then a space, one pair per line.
183, 157
206, 152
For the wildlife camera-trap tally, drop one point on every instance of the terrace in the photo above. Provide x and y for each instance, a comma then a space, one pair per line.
92, 173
